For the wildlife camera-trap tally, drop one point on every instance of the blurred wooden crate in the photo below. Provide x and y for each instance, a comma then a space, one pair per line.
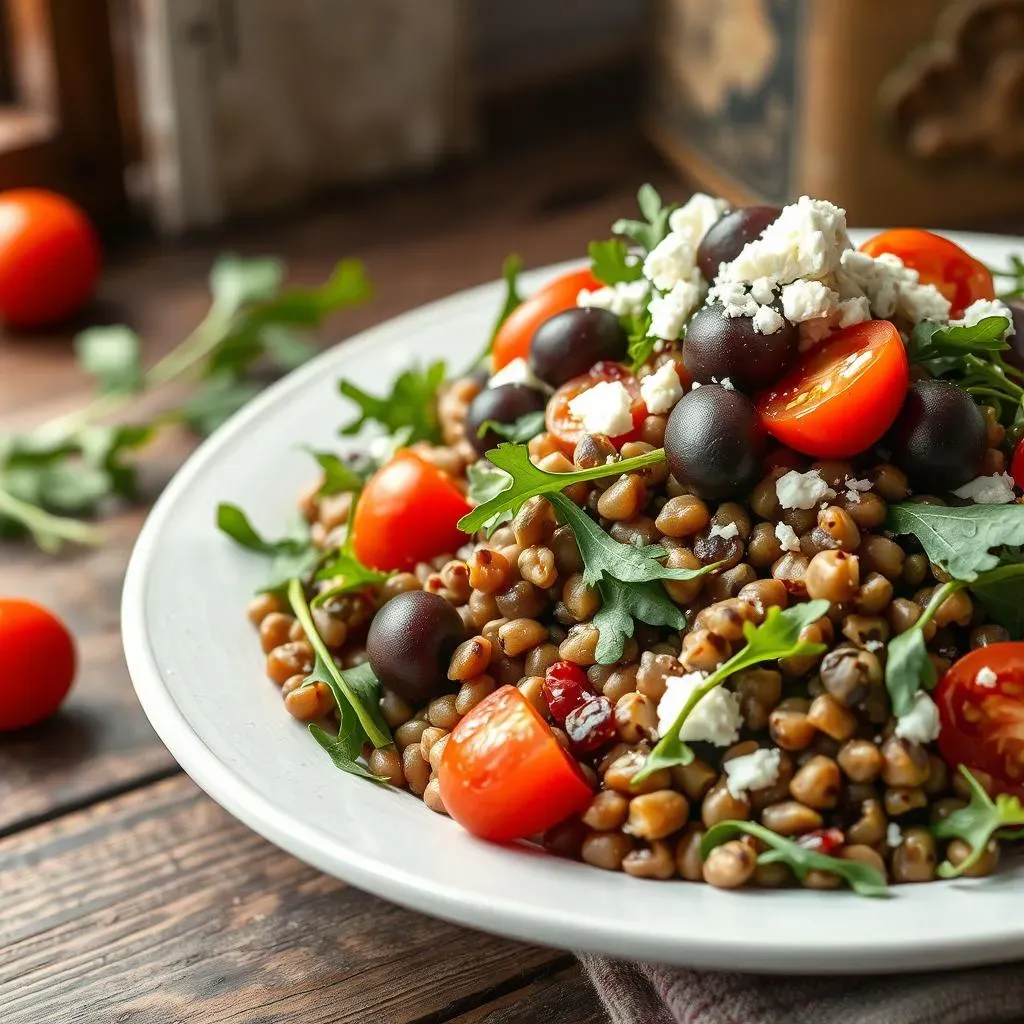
903, 111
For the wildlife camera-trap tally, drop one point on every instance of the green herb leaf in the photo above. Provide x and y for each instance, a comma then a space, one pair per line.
348, 574
411, 405
777, 637
527, 426
236, 281
641, 341
611, 262
1001, 593
486, 481
978, 823
862, 878
624, 604
113, 355
339, 477
649, 232
510, 271
104, 447
343, 751
961, 540
907, 669
215, 401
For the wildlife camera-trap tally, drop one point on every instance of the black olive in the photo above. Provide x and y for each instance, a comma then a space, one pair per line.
569, 343
503, 404
939, 438
725, 239
714, 442
410, 645
717, 346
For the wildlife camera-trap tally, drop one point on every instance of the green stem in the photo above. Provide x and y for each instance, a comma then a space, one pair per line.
938, 599
49, 530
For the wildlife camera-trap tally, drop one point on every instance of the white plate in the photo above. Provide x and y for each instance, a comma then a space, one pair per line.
198, 671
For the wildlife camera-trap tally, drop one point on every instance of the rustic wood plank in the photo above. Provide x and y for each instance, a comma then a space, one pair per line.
158, 908
565, 997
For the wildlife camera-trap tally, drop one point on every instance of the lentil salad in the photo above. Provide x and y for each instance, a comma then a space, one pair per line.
709, 570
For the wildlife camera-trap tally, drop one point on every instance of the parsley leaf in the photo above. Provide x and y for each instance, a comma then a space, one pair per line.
649, 232
641, 341
1015, 274
113, 355
862, 878
527, 426
961, 540
526, 481
486, 482
412, 404
611, 262
339, 476
777, 637
978, 823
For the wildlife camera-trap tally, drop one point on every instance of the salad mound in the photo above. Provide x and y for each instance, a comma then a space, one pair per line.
710, 567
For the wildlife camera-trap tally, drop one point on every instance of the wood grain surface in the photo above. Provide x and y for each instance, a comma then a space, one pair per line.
125, 894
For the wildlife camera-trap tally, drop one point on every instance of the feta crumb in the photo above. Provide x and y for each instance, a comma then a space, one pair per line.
715, 719
727, 383
767, 320
695, 385
814, 331
627, 298
661, 390
672, 260
854, 311
808, 300
891, 288
754, 771
735, 299
763, 291
854, 488
604, 409
787, 537
696, 216
921, 723
874, 645
986, 678
988, 490
518, 371
726, 532
802, 490
894, 835
981, 308
669, 312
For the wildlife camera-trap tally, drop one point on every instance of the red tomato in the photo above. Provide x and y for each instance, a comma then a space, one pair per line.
1017, 465
503, 775
938, 261
983, 725
408, 513
566, 429
514, 336
37, 663
49, 257
843, 395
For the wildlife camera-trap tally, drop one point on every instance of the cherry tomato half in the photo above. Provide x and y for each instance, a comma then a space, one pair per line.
514, 336
566, 429
503, 775
1017, 465
938, 261
843, 395
49, 257
408, 513
983, 721
37, 663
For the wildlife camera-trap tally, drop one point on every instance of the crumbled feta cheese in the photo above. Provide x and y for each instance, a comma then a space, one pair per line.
767, 320
669, 312
988, 490
981, 308
814, 331
854, 311
715, 719
893, 835
695, 385
921, 723
802, 490
672, 260
726, 532
604, 409
735, 299
808, 300
727, 383
518, 372
891, 288
661, 390
874, 645
763, 291
754, 771
627, 298
986, 678
787, 537
696, 216
854, 488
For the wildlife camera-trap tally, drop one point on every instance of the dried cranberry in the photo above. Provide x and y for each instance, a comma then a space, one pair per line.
823, 840
590, 725
566, 687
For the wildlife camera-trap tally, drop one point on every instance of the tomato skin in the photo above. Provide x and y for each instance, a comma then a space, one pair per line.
503, 775
408, 513
49, 257
1017, 465
37, 663
983, 726
514, 336
842, 396
938, 261
566, 430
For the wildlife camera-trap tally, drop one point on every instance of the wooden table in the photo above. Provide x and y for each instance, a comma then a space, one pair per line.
126, 895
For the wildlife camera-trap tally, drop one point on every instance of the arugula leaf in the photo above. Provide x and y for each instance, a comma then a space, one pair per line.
104, 447
624, 604
527, 426
1001, 593
343, 750
216, 400
649, 232
486, 481
960, 539
611, 263
236, 281
338, 475
113, 355
862, 878
348, 573
977, 824
1015, 274
510, 271
526, 480
412, 404
777, 637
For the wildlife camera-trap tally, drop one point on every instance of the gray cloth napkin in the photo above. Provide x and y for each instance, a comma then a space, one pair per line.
636, 993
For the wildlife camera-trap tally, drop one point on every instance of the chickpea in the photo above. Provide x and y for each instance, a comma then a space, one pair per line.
656, 815
295, 658
274, 630
869, 829
593, 450
847, 673
729, 583
261, 606
470, 658
829, 717
881, 555
619, 774
623, 499
863, 854
386, 762
764, 547
654, 861
790, 818
817, 783
901, 800
636, 717
689, 862
310, 703
730, 865
720, 805
410, 734
683, 591
606, 849
840, 528
860, 760
489, 570
394, 709
683, 516
874, 595
789, 727
904, 764
607, 811
958, 851
580, 646
653, 671
695, 778
869, 512
833, 575
704, 650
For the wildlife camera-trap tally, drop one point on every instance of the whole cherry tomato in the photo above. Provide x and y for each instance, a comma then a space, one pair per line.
37, 663
514, 336
981, 707
408, 513
1017, 464
843, 395
938, 261
566, 429
49, 257
503, 775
